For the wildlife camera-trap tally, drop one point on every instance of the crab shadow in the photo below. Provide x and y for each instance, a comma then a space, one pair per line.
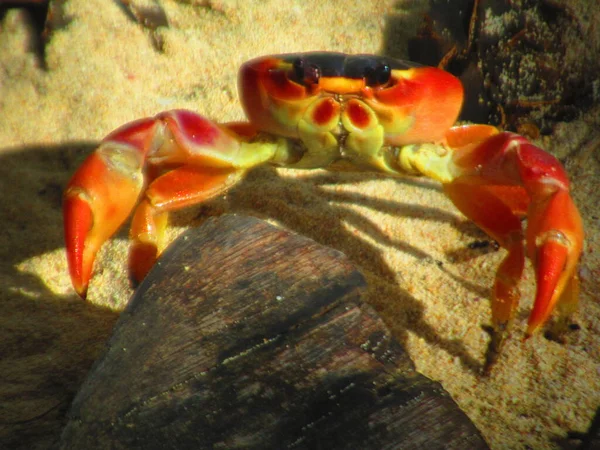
49, 341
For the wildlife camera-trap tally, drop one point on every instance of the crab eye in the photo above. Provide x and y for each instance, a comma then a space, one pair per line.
378, 75
305, 74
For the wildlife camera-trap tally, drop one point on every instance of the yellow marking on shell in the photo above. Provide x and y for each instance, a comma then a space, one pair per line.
396, 120
341, 85
288, 112
407, 74
553, 236
122, 158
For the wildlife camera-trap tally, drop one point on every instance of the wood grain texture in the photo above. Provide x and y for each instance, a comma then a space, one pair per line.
248, 336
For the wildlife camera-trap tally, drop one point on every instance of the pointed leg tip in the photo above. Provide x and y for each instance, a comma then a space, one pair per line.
81, 290
80, 272
78, 221
533, 326
142, 257
531, 330
79, 283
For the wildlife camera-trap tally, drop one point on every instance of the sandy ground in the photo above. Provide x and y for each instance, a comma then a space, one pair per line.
408, 239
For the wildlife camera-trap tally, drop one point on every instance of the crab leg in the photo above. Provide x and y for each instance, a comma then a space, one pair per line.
181, 187
554, 233
495, 180
499, 221
183, 158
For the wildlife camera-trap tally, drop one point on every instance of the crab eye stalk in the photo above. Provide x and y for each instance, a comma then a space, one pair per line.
305, 74
378, 75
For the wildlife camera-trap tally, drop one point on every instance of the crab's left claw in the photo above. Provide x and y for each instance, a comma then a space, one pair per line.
501, 179
554, 240
496, 179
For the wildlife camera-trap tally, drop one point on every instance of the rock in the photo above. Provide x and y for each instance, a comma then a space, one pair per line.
245, 335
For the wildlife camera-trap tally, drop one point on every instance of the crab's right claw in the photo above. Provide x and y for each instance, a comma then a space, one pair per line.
97, 201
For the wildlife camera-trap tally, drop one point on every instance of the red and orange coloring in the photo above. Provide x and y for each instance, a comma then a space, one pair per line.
308, 111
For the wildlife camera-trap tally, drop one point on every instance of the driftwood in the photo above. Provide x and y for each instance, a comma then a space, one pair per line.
248, 336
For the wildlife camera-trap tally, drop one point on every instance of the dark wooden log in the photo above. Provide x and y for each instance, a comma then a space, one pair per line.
248, 336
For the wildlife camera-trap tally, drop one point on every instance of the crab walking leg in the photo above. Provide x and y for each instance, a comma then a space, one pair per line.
502, 222
200, 159
181, 187
485, 176
498, 220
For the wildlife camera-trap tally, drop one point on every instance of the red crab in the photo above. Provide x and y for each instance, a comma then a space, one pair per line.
308, 110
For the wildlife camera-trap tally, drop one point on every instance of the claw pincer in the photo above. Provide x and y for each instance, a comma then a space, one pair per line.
101, 195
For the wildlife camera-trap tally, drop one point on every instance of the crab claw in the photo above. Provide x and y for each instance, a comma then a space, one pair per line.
505, 177
496, 179
554, 244
161, 164
100, 196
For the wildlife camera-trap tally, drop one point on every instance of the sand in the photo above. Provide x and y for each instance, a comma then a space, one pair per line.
103, 70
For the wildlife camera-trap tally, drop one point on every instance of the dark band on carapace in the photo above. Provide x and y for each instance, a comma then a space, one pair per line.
342, 65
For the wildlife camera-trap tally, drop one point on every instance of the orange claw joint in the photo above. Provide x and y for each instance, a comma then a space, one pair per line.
525, 179
101, 194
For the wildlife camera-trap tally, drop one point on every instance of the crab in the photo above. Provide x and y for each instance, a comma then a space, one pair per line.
310, 110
